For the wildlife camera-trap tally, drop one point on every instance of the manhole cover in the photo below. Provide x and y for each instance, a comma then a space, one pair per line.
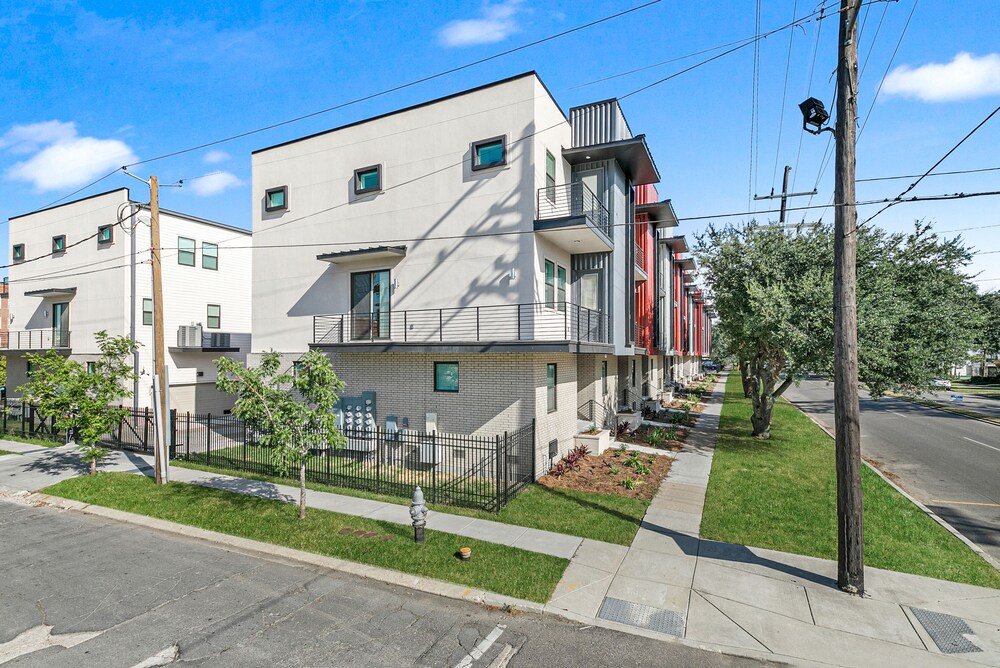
947, 631
643, 616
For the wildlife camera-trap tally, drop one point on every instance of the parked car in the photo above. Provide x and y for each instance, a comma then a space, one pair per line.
710, 365
940, 382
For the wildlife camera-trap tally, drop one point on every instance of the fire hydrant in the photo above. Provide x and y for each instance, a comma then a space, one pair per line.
418, 513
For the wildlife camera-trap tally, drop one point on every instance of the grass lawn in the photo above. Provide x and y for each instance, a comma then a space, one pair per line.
605, 517
496, 568
781, 494
6, 452
33, 441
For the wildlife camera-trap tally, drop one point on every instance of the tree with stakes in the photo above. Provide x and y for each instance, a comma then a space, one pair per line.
83, 401
291, 411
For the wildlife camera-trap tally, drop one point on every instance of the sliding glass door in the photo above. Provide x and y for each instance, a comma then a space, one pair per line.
370, 311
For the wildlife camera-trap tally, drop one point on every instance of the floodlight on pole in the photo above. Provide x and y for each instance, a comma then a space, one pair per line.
814, 116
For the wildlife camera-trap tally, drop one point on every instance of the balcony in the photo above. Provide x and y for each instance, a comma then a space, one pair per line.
35, 339
640, 264
574, 218
509, 327
192, 339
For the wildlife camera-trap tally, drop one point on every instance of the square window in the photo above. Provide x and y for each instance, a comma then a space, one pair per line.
368, 180
91, 368
550, 387
214, 320
105, 234
446, 376
276, 199
147, 311
59, 243
489, 153
185, 251
18, 252
209, 255
297, 367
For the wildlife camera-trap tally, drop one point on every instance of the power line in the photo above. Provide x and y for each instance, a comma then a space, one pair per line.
398, 88
914, 176
942, 159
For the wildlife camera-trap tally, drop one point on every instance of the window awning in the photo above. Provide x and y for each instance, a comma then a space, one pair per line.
686, 263
358, 254
632, 154
661, 213
676, 244
51, 292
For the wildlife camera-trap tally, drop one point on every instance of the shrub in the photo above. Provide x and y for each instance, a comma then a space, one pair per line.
630, 483
655, 437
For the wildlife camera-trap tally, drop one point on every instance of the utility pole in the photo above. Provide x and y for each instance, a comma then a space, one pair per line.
159, 351
850, 536
784, 195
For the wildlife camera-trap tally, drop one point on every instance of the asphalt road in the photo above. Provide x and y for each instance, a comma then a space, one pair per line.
969, 401
949, 462
117, 595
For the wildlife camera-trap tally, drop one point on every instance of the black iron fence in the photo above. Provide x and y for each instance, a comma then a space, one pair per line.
134, 433
475, 471
34, 339
573, 199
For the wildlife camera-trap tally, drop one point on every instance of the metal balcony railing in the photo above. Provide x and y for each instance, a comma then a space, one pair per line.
34, 339
573, 199
558, 321
640, 257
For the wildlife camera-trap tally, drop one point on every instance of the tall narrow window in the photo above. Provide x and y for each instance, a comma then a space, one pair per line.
550, 176
147, 311
91, 368
489, 153
588, 291
209, 255
550, 387
550, 284
214, 320
185, 251
604, 378
561, 288
370, 305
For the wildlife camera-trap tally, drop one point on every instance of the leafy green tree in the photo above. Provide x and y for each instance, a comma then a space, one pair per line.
62, 389
988, 340
773, 290
290, 411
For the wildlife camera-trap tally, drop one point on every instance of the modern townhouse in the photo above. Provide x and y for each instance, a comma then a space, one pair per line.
84, 266
469, 264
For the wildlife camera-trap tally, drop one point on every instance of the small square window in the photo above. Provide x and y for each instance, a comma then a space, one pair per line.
91, 368
276, 199
105, 234
209, 255
489, 153
59, 243
368, 180
147, 311
214, 320
185, 251
18, 252
297, 367
446, 376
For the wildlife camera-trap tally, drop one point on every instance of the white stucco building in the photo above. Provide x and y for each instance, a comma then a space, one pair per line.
473, 257
71, 277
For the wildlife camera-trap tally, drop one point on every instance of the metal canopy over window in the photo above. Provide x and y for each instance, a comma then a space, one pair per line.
359, 254
632, 154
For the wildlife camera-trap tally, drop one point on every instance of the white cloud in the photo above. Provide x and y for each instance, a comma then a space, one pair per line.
62, 159
213, 184
496, 23
215, 157
965, 77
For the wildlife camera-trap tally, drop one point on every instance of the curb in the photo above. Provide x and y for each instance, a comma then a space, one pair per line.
988, 420
927, 511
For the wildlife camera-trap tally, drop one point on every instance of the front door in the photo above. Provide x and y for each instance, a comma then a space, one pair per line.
370, 305
60, 324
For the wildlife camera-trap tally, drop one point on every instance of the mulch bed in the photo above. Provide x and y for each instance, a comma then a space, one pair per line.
594, 475
679, 404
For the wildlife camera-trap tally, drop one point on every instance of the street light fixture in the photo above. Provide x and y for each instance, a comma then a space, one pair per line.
814, 114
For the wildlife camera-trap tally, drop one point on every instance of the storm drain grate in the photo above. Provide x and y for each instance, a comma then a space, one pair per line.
643, 616
946, 631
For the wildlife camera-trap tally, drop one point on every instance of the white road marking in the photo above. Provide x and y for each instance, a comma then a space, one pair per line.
504, 657
899, 414
38, 638
483, 647
161, 658
991, 447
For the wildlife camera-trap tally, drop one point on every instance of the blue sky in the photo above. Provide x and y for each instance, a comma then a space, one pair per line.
90, 85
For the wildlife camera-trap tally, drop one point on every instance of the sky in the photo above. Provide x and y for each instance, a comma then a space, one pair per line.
89, 86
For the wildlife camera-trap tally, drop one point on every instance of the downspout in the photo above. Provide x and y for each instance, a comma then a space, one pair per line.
131, 320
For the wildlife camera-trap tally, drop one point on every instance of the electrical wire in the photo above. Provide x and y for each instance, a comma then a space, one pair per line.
914, 176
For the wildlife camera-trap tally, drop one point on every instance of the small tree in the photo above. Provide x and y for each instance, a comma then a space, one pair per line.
64, 390
291, 411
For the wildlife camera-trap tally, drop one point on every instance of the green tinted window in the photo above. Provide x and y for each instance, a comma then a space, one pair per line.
209, 255
368, 180
214, 320
185, 251
147, 311
446, 376
489, 153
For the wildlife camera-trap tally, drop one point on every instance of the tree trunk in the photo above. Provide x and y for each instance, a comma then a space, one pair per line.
302, 490
93, 466
745, 376
761, 418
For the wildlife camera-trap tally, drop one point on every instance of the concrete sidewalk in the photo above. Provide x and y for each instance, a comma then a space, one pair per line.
671, 583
